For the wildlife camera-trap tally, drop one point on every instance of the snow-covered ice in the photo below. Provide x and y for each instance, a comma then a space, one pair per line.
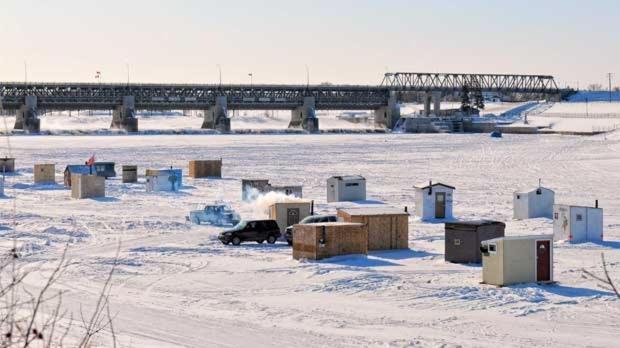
177, 286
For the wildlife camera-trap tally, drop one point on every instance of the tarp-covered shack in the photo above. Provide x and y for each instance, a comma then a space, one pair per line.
463, 239
76, 169
164, 180
387, 227
7, 165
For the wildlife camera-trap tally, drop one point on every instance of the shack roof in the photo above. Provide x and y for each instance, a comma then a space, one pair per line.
427, 185
474, 223
533, 190
373, 210
534, 236
348, 177
78, 169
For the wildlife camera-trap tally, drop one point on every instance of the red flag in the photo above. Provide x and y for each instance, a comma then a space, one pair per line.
91, 160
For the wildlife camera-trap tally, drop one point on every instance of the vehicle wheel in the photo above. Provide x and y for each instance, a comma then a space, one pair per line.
236, 241
226, 242
289, 242
271, 239
260, 241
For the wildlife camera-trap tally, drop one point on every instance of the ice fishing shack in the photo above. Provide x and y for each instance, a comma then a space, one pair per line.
517, 259
45, 173
433, 201
577, 224
536, 203
463, 239
346, 188
164, 180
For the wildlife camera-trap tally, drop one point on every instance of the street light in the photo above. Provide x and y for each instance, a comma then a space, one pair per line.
251, 75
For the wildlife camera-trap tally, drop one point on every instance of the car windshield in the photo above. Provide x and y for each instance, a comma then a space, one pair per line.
240, 225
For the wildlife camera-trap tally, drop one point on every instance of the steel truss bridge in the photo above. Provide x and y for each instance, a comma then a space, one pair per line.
503, 83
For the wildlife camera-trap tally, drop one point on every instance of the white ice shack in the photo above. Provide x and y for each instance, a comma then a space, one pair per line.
163, 180
577, 224
347, 188
537, 203
433, 201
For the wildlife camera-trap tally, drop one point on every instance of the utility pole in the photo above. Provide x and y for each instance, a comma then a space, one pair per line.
609, 75
25, 72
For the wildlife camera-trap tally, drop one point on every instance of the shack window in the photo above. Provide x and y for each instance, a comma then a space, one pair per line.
579, 217
518, 196
556, 216
492, 248
457, 242
352, 184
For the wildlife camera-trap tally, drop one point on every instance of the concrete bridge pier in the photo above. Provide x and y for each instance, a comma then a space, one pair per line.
432, 98
436, 103
388, 115
216, 117
26, 117
124, 116
305, 116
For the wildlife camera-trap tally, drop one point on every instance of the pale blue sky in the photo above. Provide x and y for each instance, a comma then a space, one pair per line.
342, 41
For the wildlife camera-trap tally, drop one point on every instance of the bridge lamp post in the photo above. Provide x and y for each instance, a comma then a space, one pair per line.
251, 75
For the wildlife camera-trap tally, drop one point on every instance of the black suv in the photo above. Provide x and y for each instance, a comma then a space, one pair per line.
252, 230
312, 219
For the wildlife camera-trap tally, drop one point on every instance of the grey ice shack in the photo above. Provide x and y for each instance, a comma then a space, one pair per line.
463, 238
517, 259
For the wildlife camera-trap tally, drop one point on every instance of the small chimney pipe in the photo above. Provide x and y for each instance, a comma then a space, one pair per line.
596, 204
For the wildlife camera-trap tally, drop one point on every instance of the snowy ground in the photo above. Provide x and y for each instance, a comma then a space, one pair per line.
177, 286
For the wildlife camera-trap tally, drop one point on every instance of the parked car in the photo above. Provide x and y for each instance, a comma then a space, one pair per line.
217, 214
312, 219
252, 230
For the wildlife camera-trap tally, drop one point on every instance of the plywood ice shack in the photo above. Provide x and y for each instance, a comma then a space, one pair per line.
433, 201
130, 174
519, 259
44, 173
205, 169
320, 241
87, 186
463, 239
7, 165
535, 203
289, 213
577, 224
347, 188
387, 227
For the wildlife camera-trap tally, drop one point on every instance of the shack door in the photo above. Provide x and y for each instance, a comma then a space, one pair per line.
543, 260
292, 216
440, 205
